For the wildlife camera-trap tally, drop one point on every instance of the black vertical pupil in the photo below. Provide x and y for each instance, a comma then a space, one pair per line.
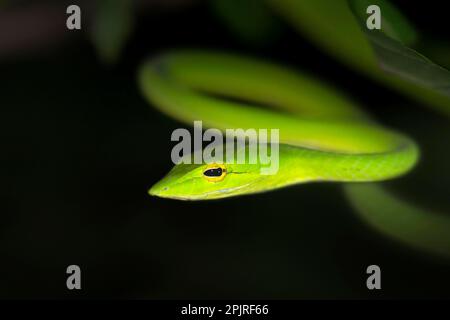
216, 172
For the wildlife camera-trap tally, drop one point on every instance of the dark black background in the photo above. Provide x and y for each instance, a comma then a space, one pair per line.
80, 147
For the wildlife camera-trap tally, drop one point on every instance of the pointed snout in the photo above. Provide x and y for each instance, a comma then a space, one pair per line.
159, 189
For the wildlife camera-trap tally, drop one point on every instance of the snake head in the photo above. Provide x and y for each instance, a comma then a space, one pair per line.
208, 181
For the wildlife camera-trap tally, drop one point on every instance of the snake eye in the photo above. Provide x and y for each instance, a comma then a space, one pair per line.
215, 172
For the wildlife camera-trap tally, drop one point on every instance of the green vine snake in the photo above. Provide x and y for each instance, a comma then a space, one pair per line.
323, 137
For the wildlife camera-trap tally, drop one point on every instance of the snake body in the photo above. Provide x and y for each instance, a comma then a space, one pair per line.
323, 135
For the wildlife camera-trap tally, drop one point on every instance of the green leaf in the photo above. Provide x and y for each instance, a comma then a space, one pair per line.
251, 20
112, 25
396, 58
393, 23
